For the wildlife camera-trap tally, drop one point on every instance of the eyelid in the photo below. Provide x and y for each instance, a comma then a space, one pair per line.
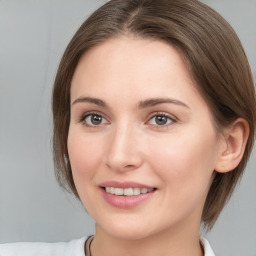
88, 113
171, 117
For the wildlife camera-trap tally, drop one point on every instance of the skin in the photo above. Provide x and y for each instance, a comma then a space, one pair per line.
177, 158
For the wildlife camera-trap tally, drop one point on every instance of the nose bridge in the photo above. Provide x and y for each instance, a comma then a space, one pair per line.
123, 150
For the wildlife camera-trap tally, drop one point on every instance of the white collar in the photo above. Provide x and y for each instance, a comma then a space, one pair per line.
207, 248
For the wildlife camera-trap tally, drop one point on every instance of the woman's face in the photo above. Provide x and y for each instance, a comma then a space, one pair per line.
142, 143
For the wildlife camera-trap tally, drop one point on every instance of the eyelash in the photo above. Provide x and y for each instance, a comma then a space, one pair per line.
171, 121
86, 115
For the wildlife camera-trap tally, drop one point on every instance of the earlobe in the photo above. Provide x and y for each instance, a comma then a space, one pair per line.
235, 139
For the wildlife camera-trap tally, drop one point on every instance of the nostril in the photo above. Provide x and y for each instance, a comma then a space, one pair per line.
129, 166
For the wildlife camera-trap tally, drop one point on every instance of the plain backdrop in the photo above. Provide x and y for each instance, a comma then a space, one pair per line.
33, 36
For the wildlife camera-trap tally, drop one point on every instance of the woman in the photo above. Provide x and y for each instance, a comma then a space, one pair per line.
154, 121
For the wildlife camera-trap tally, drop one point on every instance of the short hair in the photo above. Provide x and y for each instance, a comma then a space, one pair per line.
214, 57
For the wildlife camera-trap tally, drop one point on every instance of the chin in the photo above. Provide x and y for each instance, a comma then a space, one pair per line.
126, 231
129, 235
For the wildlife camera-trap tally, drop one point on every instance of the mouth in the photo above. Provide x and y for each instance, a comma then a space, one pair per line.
126, 194
127, 191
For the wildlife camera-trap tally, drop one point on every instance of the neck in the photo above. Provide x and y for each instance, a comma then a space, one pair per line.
166, 243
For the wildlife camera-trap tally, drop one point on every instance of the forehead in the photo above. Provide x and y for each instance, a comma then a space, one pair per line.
123, 72
133, 61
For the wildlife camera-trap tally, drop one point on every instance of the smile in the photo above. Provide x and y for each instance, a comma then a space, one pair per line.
127, 191
126, 194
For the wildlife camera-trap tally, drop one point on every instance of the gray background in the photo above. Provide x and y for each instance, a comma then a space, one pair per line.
33, 35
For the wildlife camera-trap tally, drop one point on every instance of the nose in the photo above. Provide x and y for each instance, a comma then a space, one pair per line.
124, 150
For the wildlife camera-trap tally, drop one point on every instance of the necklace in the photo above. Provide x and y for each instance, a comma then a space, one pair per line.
88, 246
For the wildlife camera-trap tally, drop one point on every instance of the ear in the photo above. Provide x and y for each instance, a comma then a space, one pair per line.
234, 142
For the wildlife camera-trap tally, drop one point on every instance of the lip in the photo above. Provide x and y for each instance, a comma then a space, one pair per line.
125, 184
125, 202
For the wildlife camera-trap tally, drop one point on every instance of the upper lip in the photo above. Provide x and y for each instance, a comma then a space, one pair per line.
124, 184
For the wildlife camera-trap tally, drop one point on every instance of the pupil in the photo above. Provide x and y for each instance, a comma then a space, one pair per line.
161, 120
96, 119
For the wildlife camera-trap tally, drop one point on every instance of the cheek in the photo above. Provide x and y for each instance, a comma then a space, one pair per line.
182, 154
186, 162
85, 156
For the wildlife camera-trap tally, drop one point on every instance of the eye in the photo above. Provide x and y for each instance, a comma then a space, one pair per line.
94, 120
161, 120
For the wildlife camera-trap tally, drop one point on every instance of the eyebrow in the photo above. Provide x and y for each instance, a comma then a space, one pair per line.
95, 101
142, 104
156, 101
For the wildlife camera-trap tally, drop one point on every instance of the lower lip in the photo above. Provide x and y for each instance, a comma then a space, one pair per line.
126, 202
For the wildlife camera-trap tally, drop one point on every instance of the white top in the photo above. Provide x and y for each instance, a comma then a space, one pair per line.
72, 248
207, 248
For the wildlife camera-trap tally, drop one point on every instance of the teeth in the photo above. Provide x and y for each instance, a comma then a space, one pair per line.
118, 191
112, 190
128, 191
136, 191
143, 190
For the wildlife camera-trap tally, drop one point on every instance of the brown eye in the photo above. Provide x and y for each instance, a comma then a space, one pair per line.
94, 120
161, 120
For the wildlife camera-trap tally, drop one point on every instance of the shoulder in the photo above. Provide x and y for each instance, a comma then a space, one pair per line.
207, 248
72, 248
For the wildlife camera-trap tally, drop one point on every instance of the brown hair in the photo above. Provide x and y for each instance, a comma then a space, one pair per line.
214, 56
